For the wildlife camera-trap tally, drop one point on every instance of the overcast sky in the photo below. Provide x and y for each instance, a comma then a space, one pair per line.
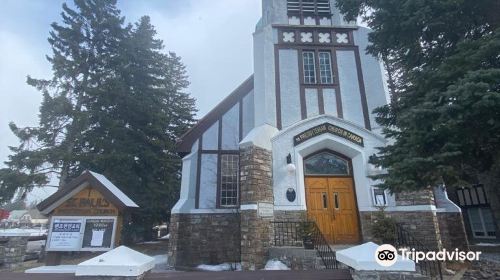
213, 37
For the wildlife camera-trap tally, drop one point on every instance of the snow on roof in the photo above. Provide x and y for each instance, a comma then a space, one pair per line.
115, 190
17, 214
99, 181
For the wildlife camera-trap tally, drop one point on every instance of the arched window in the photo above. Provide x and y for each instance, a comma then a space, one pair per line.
326, 163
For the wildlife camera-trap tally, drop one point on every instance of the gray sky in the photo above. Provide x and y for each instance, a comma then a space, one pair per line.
213, 37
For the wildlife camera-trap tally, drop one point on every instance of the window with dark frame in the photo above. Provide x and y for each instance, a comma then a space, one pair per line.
324, 59
229, 187
309, 66
325, 67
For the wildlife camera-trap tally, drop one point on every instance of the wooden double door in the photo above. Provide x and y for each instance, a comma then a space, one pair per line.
331, 203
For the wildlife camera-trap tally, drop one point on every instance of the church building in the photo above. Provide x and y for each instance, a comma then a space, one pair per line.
292, 143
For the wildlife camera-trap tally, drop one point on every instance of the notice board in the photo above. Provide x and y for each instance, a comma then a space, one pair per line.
69, 233
98, 233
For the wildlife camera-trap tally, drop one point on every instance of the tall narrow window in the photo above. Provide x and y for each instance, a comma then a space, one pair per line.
309, 67
325, 67
229, 180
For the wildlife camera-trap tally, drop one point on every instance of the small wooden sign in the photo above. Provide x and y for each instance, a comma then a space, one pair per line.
86, 215
328, 128
88, 202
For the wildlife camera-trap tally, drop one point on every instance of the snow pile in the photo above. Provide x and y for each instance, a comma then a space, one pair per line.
165, 237
275, 265
487, 244
220, 267
161, 259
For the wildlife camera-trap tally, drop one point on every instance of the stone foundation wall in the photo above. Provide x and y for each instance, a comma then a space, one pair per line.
423, 225
204, 239
423, 197
385, 275
12, 251
452, 229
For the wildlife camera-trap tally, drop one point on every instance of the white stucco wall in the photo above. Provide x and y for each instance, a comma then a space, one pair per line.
289, 87
264, 81
211, 137
248, 114
349, 87
373, 77
187, 197
230, 128
312, 105
208, 181
330, 102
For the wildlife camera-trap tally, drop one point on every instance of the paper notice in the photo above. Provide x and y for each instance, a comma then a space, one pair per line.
97, 238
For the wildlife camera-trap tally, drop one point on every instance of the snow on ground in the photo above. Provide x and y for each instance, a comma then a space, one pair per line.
165, 237
160, 259
220, 267
22, 231
487, 244
275, 265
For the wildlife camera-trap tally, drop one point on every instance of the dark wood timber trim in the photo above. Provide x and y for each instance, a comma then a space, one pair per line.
240, 120
277, 84
219, 145
321, 102
303, 107
362, 91
312, 27
187, 140
338, 94
198, 172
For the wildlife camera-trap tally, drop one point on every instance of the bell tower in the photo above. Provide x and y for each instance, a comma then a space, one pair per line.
309, 61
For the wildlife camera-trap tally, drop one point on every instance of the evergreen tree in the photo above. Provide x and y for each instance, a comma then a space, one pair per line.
115, 105
83, 46
444, 119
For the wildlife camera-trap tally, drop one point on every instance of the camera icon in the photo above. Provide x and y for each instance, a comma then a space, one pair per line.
386, 255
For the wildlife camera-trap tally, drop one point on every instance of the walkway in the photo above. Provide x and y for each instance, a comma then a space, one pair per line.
339, 274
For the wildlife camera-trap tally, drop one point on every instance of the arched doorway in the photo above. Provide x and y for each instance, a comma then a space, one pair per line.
330, 196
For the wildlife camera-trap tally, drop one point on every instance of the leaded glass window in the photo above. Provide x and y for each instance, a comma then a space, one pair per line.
309, 67
326, 163
229, 180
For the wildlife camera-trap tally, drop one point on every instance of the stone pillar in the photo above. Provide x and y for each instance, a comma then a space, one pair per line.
421, 223
256, 206
12, 250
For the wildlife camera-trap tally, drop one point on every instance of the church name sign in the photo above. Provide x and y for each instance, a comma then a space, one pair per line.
328, 128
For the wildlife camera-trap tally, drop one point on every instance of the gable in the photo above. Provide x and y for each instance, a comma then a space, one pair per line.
224, 108
87, 202
88, 179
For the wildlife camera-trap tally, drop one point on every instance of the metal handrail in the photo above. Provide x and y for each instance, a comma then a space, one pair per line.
404, 239
293, 233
